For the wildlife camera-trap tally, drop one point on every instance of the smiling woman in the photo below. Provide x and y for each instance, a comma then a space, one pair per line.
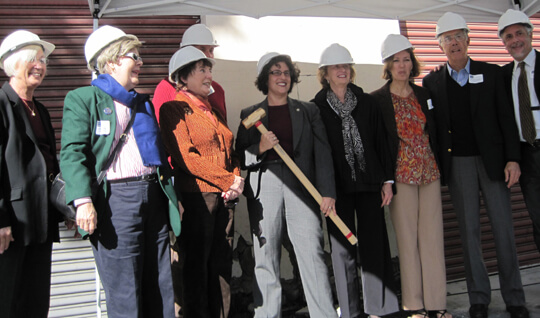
363, 177
126, 216
28, 222
207, 173
276, 199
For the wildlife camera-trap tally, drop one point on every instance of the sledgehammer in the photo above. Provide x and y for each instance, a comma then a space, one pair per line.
255, 119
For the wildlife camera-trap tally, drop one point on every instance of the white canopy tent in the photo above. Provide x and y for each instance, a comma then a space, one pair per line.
429, 10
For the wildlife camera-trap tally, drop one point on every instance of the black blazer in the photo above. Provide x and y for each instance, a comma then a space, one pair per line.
383, 96
508, 71
24, 195
494, 128
369, 121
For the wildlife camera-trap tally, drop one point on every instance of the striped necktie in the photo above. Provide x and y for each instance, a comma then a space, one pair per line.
528, 129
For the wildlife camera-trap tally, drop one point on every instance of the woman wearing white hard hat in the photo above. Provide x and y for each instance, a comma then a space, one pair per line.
128, 214
277, 201
207, 174
200, 37
416, 209
364, 178
28, 222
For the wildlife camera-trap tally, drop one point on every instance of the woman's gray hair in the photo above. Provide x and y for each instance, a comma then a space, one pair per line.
114, 51
26, 55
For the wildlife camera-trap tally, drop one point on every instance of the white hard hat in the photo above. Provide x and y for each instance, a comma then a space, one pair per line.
20, 39
513, 17
265, 59
184, 56
450, 21
100, 39
198, 34
393, 44
335, 54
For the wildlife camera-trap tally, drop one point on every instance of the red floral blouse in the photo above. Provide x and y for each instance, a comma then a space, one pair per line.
415, 162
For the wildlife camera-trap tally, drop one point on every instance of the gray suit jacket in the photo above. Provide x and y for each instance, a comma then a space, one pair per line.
312, 153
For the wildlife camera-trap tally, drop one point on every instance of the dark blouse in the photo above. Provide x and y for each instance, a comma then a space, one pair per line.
279, 122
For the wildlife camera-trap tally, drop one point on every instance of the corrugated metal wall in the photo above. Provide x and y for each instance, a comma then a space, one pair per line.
67, 24
485, 46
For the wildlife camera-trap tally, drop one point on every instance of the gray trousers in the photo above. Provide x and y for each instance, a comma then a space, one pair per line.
468, 178
283, 202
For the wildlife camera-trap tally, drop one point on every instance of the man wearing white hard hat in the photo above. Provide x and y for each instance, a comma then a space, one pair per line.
515, 30
28, 222
199, 36
479, 151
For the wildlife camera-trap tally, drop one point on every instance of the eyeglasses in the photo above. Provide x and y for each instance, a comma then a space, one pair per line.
134, 56
278, 73
42, 60
459, 38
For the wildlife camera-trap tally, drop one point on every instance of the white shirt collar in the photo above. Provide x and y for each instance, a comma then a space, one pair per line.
530, 60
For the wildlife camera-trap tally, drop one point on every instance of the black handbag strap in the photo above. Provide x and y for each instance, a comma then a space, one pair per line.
117, 149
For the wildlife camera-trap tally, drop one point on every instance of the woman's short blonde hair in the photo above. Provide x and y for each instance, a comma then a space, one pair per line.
24, 55
323, 71
389, 62
114, 51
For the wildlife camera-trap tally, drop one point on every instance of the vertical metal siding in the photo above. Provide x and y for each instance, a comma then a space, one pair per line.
485, 46
67, 24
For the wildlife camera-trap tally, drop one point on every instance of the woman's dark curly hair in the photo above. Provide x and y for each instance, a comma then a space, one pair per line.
262, 80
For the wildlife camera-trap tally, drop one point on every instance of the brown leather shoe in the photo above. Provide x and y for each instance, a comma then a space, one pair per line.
518, 311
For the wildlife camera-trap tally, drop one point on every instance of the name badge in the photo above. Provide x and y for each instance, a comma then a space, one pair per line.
475, 79
429, 104
103, 127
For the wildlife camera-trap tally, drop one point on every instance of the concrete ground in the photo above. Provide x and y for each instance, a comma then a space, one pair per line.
458, 301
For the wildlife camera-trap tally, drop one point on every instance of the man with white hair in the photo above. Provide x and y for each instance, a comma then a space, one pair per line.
515, 30
479, 150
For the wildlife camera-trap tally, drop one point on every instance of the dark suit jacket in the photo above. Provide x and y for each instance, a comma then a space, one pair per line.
368, 118
24, 195
383, 96
494, 128
312, 152
508, 70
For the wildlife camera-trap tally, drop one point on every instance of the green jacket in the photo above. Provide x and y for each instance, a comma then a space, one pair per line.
84, 152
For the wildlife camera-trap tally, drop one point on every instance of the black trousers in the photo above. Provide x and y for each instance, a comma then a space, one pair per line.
362, 213
25, 280
530, 185
205, 255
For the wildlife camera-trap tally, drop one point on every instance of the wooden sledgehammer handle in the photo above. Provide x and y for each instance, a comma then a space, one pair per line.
309, 186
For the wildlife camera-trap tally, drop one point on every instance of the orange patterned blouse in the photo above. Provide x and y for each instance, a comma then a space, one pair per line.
415, 163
